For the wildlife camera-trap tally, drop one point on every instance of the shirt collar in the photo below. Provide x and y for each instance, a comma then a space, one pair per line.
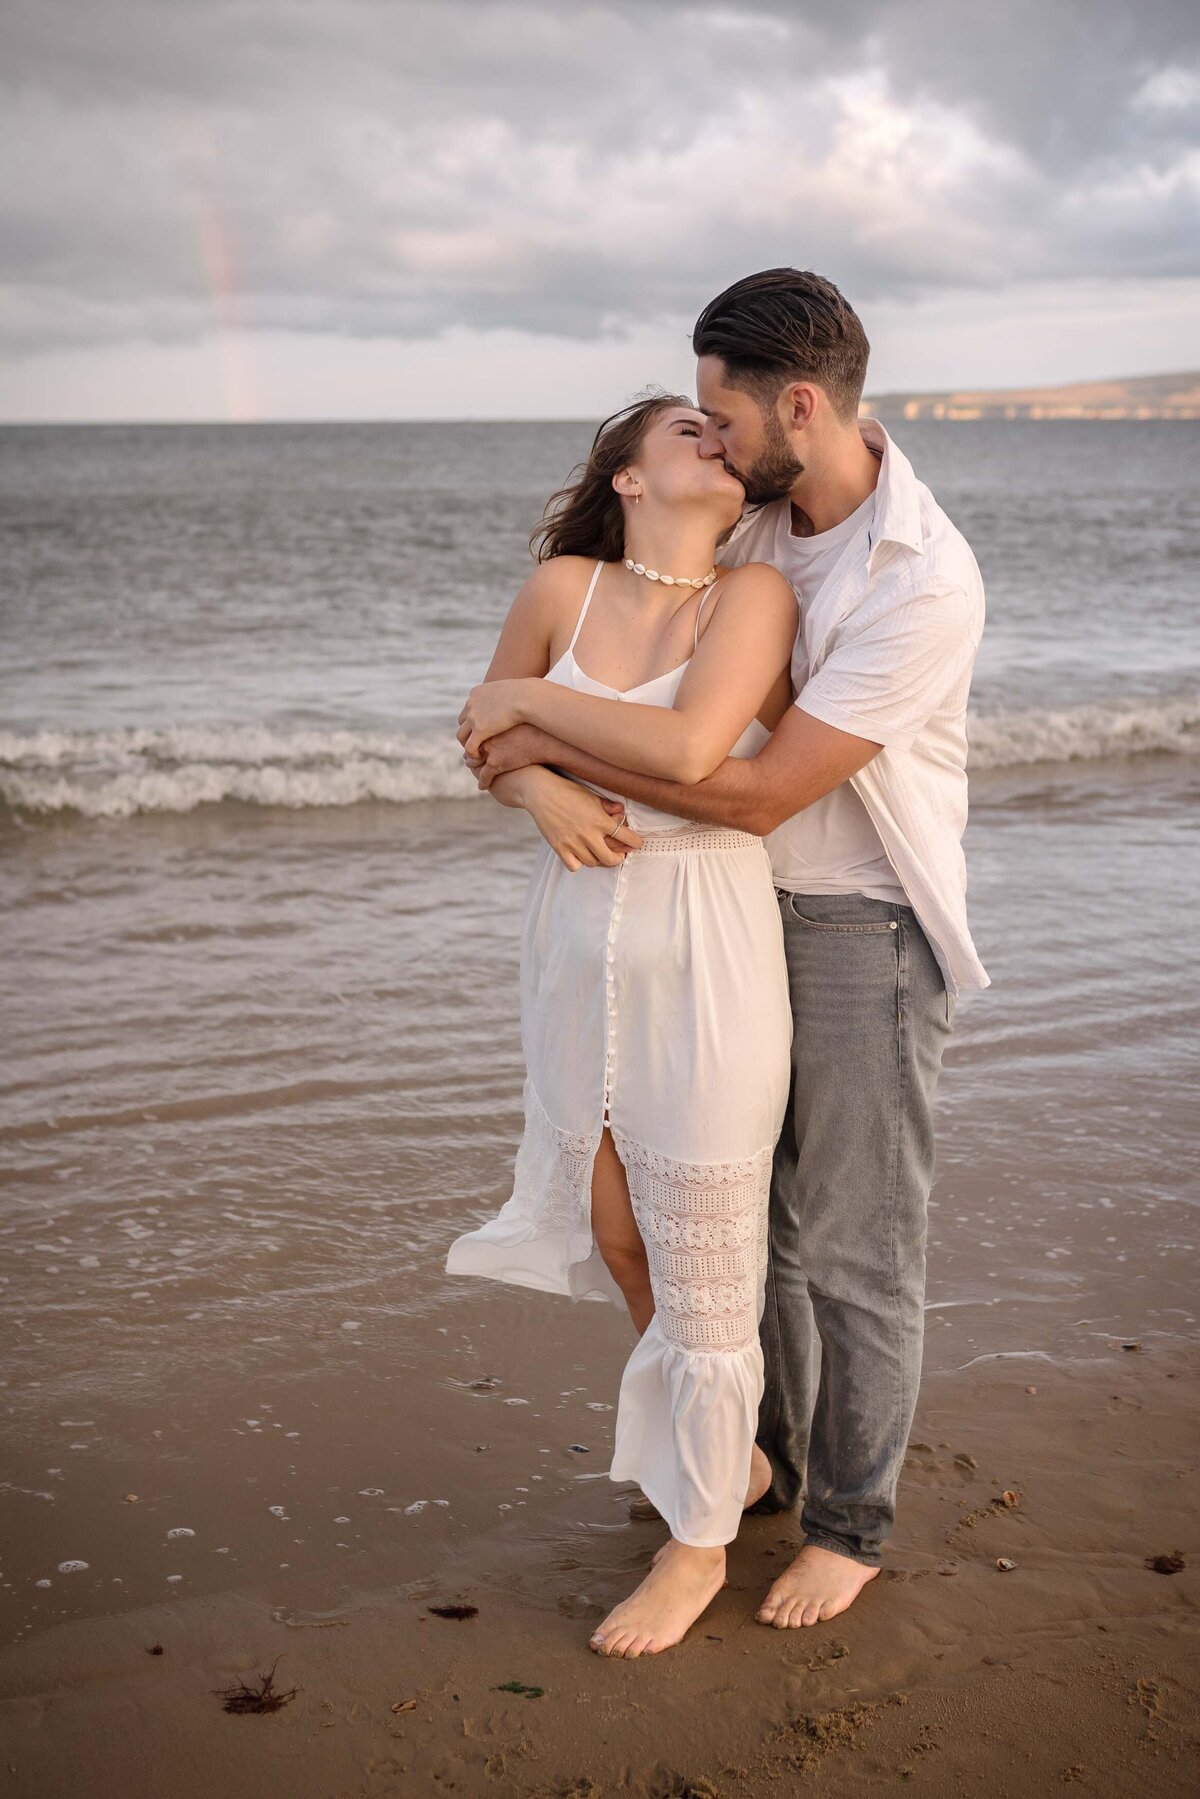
897, 501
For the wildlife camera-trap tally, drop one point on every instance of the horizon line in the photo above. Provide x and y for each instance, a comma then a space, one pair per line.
894, 393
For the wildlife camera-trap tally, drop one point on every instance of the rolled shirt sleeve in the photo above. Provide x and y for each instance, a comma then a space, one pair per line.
885, 681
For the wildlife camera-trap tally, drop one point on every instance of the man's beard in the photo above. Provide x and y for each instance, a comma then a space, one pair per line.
777, 469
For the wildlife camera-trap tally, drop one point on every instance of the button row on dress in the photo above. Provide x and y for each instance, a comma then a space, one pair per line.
610, 987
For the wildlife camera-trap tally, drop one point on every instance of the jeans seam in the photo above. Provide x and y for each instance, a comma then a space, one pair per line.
874, 928
824, 1540
902, 1072
855, 930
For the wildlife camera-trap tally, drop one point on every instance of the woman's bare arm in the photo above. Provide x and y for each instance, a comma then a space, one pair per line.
579, 826
737, 665
803, 760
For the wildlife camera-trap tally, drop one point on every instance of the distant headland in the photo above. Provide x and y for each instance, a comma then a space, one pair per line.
1139, 397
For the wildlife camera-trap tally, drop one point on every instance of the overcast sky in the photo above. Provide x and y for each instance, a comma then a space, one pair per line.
466, 208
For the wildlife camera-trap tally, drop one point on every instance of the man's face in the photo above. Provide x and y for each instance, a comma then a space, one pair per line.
749, 440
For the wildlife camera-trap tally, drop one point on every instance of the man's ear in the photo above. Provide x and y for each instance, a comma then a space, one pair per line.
798, 405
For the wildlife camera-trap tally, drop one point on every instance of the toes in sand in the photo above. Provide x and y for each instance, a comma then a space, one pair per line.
817, 1586
683, 1582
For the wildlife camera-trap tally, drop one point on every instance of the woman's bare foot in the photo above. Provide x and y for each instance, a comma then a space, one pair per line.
682, 1584
819, 1584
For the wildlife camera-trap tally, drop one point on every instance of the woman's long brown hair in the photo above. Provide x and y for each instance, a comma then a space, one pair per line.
586, 517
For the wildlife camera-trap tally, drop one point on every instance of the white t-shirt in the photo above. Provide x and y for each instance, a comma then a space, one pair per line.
832, 846
885, 650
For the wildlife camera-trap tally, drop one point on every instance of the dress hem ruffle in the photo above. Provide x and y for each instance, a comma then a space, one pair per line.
685, 1423
691, 1389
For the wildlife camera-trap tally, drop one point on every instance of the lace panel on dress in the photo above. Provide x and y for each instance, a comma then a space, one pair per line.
705, 1230
552, 1179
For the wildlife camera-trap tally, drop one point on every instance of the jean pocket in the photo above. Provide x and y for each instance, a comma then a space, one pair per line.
868, 927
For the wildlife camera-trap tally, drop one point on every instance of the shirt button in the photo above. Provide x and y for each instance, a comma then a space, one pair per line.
893, 926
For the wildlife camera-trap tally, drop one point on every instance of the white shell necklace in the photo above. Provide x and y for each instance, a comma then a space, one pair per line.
652, 574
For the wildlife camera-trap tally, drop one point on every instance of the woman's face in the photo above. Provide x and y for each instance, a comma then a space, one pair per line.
671, 471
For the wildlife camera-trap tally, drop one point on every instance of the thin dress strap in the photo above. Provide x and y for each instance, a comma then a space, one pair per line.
587, 600
699, 610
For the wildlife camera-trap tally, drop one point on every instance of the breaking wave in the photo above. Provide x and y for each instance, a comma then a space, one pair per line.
1085, 733
113, 774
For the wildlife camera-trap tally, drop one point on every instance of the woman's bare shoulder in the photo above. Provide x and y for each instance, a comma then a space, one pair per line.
557, 582
757, 577
564, 571
758, 584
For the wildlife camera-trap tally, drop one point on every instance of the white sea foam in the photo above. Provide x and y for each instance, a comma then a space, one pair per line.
1094, 733
113, 774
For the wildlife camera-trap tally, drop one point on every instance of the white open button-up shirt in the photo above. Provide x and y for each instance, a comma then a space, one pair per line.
886, 650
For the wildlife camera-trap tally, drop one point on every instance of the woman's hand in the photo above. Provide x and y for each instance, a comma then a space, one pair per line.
584, 829
490, 709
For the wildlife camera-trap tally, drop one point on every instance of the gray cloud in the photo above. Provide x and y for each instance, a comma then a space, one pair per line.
374, 169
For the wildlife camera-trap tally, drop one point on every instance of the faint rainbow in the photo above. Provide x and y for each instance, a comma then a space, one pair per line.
217, 248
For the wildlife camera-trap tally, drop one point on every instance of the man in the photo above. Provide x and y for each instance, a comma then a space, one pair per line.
861, 794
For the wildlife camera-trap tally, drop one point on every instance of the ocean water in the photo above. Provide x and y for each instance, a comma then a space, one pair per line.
292, 614
261, 1055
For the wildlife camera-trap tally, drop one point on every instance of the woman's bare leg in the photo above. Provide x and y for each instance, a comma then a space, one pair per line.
681, 1583
616, 1235
643, 1511
760, 1476
684, 1579
756, 1486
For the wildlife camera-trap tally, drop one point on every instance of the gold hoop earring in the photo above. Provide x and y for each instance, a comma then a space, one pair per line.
637, 498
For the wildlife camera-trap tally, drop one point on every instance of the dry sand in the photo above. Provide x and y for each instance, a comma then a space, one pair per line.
1079, 1667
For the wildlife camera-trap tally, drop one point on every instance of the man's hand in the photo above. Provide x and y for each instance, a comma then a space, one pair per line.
803, 760
518, 748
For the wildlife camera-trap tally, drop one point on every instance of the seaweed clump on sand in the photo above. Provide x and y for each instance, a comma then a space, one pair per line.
1166, 1564
241, 1698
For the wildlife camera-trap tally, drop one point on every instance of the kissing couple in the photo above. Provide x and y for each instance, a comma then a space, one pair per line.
732, 696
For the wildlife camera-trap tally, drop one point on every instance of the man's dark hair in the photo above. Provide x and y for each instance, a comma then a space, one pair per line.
786, 325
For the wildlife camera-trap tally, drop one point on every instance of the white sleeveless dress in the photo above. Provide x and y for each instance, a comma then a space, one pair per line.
654, 1000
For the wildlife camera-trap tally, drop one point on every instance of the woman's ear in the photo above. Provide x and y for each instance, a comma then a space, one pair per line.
627, 485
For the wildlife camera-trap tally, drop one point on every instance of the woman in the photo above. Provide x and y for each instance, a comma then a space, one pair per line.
655, 1015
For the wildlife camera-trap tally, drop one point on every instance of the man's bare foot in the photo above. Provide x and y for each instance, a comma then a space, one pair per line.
683, 1582
818, 1585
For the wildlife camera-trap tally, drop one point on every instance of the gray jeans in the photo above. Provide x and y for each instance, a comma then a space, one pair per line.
850, 1186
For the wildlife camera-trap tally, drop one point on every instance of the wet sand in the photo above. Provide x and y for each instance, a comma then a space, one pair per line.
270, 1067
1080, 1666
